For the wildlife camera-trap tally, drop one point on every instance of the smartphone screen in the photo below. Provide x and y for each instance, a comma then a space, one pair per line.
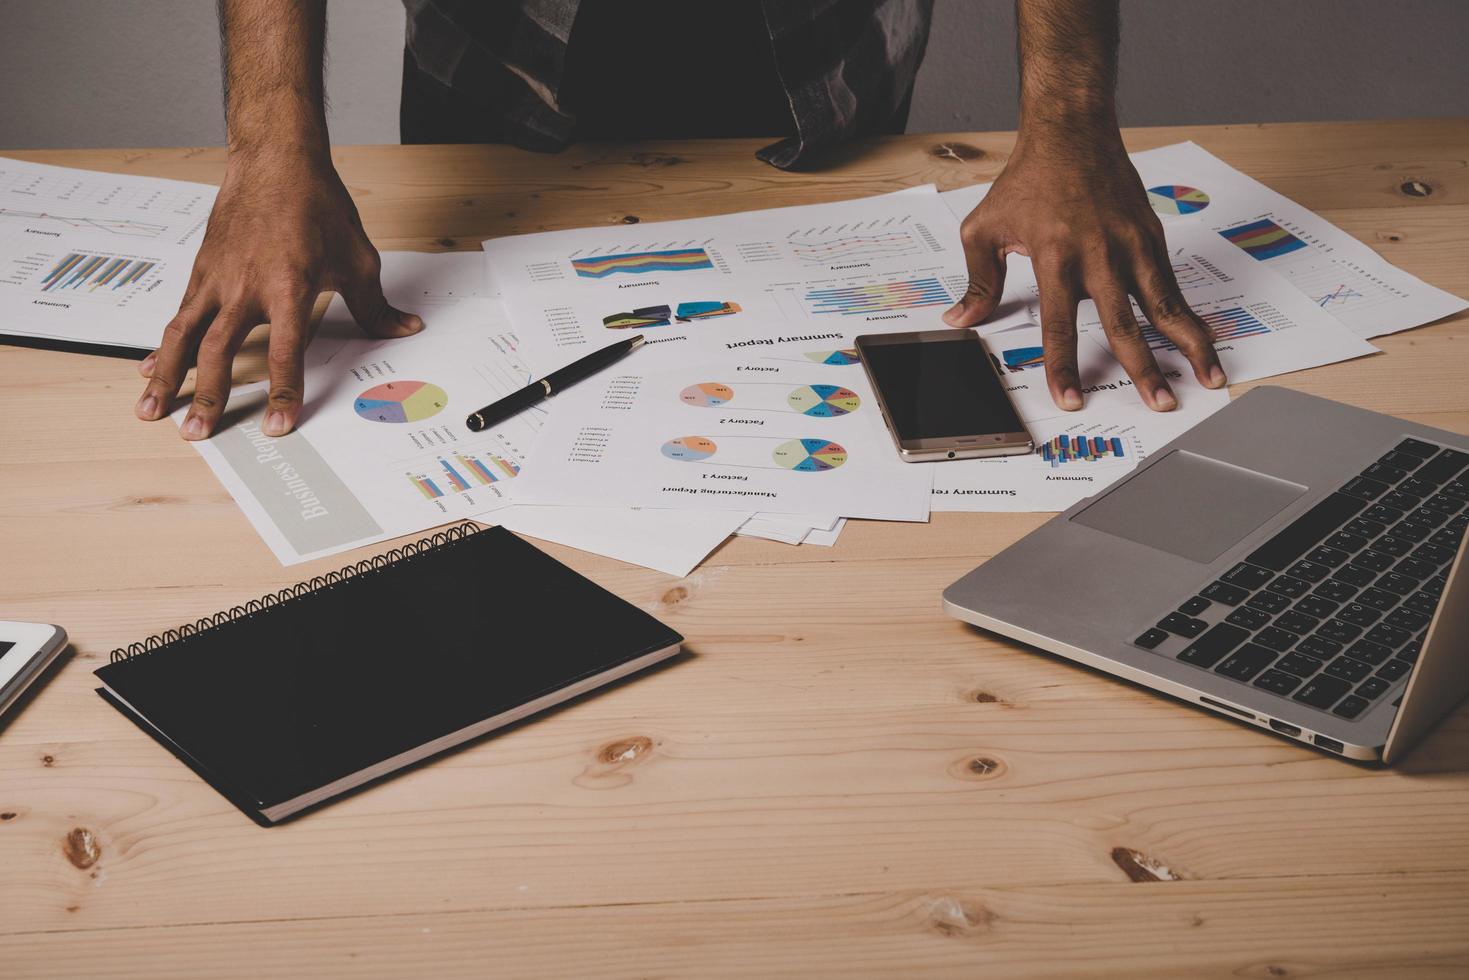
939, 388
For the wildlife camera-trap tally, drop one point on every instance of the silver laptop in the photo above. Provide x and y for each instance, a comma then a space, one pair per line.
1290, 562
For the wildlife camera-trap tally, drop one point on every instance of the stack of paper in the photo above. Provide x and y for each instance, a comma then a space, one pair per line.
747, 410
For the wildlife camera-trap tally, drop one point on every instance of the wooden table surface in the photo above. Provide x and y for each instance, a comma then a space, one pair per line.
837, 780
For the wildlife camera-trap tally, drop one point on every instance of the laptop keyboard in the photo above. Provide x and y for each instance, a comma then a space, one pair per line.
1331, 612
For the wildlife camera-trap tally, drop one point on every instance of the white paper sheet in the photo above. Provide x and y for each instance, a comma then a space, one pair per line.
725, 436
670, 541
93, 257
825, 539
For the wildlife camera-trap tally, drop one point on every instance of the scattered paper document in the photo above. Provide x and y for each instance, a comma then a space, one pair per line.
670, 541
95, 258
726, 436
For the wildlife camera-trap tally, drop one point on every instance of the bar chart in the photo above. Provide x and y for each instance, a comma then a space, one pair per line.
877, 297
1064, 449
108, 277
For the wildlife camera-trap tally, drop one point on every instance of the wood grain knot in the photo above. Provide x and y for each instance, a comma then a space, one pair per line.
81, 848
1140, 867
674, 596
630, 219
8, 815
956, 917
609, 770
1416, 188
446, 242
625, 750
48, 761
957, 152
978, 767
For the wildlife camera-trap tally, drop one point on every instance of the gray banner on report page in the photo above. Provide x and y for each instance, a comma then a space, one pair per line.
308, 502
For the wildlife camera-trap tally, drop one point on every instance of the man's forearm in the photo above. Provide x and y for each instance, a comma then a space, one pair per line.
272, 53
1068, 67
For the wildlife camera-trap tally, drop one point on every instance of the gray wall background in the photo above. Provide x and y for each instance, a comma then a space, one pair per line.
77, 73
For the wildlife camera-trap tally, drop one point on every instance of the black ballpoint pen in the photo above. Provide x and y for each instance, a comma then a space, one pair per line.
578, 370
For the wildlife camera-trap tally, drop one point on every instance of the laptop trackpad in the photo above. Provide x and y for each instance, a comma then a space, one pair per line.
1190, 505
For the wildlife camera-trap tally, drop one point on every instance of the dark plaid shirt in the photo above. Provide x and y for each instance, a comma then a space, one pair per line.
847, 66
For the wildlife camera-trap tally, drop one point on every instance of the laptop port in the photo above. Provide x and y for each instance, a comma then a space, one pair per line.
1284, 728
1227, 707
1328, 743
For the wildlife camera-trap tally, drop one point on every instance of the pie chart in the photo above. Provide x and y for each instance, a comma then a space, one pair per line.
836, 357
1177, 199
823, 401
689, 449
809, 455
401, 401
710, 394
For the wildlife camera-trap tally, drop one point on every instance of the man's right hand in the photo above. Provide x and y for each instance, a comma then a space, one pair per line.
283, 230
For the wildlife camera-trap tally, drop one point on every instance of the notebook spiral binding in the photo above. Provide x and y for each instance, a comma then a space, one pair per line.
298, 591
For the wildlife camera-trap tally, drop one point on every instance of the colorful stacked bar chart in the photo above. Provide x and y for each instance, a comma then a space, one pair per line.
484, 473
1072, 449
95, 272
456, 479
878, 297
635, 263
426, 486
1263, 239
1231, 324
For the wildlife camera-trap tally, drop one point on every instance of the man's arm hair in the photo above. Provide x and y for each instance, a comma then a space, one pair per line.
271, 54
1067, 51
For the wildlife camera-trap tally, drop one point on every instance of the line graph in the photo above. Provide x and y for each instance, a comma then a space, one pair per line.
881, 244
126, 227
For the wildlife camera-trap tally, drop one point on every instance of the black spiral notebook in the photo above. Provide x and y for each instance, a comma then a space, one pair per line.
288, 701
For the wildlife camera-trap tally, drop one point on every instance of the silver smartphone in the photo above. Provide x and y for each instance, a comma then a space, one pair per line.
940, 396
26, 649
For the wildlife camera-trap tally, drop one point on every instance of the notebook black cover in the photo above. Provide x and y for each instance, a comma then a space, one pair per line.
272, 701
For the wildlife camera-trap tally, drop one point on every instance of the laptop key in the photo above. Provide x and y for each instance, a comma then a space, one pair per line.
1383, 514
1250, 619
1416, 447
1417, 487
1397, 584
1368, 652
1309, 570
1299, 664
1365, 528
1348, 669
1353, 575
1458, 489
1391, 546
1346, 541
1411, 531
1428, 517
1373, 561
1385, 473
1377, 599
1444, 503
1185, 626
1416, 568
1335, 590
1363, 487
1277, 682
1394, 669
1315, 605
1246, 662
1151, 638
1351, 707
1335, 629
1247, 576
1288, 586
1443, 467
1330, 557
1358, 614
1372, 687
1410, 650
1296, 621
1399, 500
1276, 639
1194, 606
1435, 586
1319, 647
1322, 691
1230, 595
1421, 602
1219, 640
1306, 531
1270, 602
1447, 537
1433, 554
1389, 636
